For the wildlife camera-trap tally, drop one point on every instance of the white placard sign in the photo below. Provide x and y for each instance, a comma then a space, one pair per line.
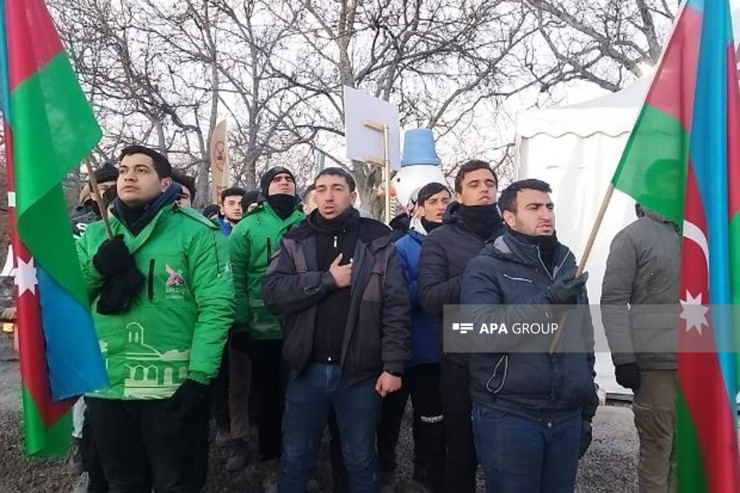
364, 142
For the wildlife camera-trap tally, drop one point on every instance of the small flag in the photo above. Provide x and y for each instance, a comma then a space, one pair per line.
683, 161
49, 129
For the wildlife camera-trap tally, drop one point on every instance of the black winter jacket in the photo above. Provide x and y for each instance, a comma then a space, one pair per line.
510, 272
378, 332
444, 255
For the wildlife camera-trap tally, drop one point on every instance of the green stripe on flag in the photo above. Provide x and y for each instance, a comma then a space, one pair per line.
42, 441
53, 130
690, 474
653, 166
735, 282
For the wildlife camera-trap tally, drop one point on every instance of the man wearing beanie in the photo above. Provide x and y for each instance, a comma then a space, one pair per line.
468, 224
421, 378
337, 281
257, 331
532, 410
163, 303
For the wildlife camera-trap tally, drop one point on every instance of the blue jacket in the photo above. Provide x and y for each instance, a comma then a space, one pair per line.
509, 271
424, 339
226, 226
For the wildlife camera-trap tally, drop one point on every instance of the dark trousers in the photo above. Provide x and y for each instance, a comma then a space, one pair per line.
456, 408
142, 443
520, 454
91, 459
220, 393
421, 383
308, 401
268, 385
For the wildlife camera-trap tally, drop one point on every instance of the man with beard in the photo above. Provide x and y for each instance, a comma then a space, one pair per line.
256, 330
421, 378
467, 225
532, 410
337, 281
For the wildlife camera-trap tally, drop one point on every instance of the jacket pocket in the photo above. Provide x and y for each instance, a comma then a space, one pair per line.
497, 380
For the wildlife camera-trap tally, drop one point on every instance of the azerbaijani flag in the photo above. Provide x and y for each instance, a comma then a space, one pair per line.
49, 129
683, 161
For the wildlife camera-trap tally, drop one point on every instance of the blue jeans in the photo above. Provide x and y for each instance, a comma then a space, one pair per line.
307, 403
523, 455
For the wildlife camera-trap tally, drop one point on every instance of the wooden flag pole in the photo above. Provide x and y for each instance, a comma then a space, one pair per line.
385, 162
586, 253
99, 198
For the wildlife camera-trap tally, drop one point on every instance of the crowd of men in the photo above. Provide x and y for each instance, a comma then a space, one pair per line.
298, 315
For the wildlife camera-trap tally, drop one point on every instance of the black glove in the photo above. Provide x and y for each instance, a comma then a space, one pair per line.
118, 291
188, 398
628, 376
113, 257
566, 291
586, 436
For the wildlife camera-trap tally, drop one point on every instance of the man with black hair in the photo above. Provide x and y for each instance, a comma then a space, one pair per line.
88, 210
162, 294
467, 225
188, 188
309, 199
421, 378
257, 331
532, 410
231, 211
337, 282
250, 200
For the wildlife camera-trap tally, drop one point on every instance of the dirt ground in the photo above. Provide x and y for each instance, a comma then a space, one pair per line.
608, 466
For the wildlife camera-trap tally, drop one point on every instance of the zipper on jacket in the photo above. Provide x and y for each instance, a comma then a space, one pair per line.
335, 241
269, 250
150, 287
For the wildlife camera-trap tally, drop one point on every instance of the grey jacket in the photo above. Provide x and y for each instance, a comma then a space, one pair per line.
640, 293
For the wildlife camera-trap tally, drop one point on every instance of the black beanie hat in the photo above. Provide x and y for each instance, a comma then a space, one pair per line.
270, 174
107, 172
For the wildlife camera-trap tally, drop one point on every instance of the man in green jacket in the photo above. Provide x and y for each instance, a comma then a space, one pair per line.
256, 330
162, 298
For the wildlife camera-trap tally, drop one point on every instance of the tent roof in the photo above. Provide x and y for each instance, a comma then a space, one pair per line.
613, 114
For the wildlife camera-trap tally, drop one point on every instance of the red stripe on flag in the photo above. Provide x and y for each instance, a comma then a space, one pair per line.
32, 346
31, 37
699, 373
733, 133
674, 84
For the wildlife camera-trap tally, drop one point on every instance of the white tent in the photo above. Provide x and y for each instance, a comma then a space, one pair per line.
576, 150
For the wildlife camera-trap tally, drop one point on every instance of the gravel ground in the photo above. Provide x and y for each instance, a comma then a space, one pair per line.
608, 466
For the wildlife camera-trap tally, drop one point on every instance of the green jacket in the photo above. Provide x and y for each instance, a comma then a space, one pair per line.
251, 244
177, 327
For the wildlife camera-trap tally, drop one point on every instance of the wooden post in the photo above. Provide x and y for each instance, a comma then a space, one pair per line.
385, 162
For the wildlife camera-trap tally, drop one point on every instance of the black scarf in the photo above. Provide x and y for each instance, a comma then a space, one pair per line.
283, 205
136, 218
483, 220
347, 220
429, 226
547, 245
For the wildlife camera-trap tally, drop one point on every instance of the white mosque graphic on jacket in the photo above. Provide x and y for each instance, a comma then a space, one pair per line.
150, 371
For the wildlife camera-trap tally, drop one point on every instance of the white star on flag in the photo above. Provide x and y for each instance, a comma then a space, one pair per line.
694, 313
25, 277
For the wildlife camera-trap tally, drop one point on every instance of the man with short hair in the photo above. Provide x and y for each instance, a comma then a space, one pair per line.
230, 212
257, 331
337, 282
163, 302
532, 410
188, 188
309, 199
467, 225
88, 209
421, 378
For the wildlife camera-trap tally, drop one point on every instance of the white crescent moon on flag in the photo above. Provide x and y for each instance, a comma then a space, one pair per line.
692, 232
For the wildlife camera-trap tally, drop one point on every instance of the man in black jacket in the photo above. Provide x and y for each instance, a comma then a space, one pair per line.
337, 281
531, 410
468, 223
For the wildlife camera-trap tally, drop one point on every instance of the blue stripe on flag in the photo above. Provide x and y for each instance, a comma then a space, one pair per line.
709, 156
72, 350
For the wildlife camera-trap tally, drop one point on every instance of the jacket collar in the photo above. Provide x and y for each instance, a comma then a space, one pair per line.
510, 249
